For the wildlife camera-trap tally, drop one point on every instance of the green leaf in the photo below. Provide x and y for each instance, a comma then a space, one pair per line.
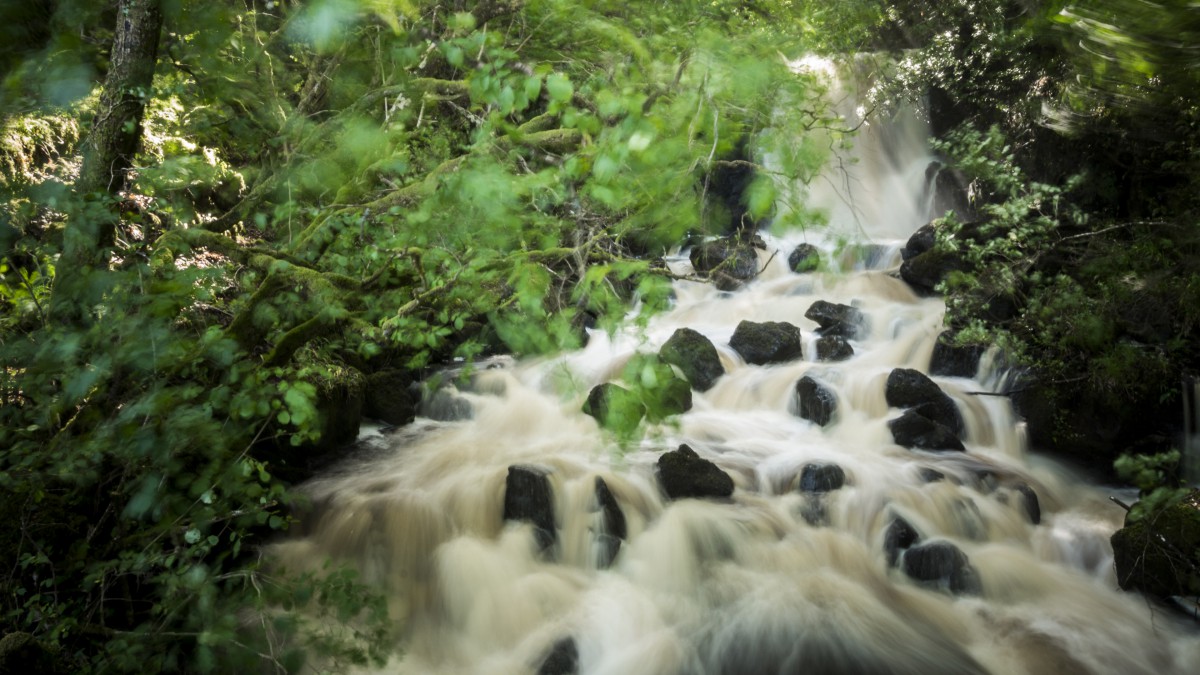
559, 87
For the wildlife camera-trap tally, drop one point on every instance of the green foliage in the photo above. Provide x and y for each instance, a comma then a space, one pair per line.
326, 190
1156, 477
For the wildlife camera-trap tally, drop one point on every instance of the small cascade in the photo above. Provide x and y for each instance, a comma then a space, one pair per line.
848, 514
1191, 430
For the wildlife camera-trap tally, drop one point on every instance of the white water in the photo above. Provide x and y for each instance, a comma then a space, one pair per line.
748, 585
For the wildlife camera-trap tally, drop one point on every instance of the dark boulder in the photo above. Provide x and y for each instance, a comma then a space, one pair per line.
815, 402
563, 659
389, 397
1159, 554
529, 498
614, 530
899, 536
941, 565
954, 360
767, 342
614, 407
728, 261
1029, 500
821, 478
921, 241
695, 355
833, 348
835, 319
925, 271
682, 474
804, 258
914, 430
908, 388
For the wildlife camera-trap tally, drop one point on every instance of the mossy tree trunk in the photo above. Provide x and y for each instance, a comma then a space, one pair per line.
109, 151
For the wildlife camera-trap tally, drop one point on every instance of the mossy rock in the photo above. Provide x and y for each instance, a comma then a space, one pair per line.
1160, 554
695, 355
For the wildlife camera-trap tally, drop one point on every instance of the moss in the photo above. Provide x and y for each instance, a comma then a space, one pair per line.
1160, 554
29, 143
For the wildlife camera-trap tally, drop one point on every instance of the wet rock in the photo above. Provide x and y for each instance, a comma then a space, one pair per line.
836, 319
682, 474
767, 342
921, 241
1160, 554
528, 497
821, 478
925, 271
833, 348
563, 659
899, 536
614, 407
615, 529
446, 405
695, 355
1029, 500
728, 261
816, 402
953, 360
660, 389
941, 565
804, 258
913, 430
908, 388
389, 397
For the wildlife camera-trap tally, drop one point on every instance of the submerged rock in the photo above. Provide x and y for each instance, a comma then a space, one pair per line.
615, 529
1029, 500
816, 402
682, 474
529, 498
833, 348
914, 430
695, 355
821, 478
804, 258
767, 342
563, 659
1160, 554
941, 565
908, 388
899, 536
836, 319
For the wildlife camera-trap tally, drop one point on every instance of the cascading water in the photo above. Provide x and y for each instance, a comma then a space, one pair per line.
785, 576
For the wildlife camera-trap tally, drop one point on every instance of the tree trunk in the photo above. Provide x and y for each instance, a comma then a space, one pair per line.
117, 128
108, 151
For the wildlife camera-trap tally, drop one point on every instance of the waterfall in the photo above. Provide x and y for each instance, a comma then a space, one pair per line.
778, 577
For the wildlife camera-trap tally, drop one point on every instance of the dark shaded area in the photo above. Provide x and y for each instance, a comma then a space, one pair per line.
528, 497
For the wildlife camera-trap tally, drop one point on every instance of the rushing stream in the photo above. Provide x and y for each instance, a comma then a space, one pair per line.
775, 579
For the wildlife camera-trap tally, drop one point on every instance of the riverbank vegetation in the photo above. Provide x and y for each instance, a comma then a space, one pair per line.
231, 229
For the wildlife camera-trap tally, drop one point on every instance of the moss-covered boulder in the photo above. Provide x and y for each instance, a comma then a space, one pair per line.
389, 397
1160, 553
804, 258
614, 407
767, 342
695, 355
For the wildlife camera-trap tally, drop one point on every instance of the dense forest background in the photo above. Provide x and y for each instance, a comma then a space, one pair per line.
231, 228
